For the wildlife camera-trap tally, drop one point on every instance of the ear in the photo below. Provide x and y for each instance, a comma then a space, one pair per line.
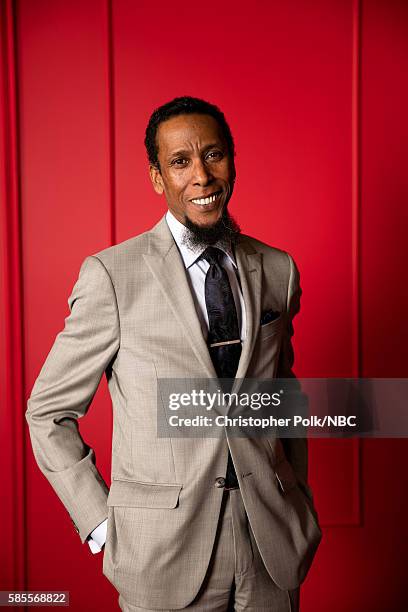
156, 179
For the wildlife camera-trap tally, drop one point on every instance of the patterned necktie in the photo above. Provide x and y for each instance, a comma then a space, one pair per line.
224, 339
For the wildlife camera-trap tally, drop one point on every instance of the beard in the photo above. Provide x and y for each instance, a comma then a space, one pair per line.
225, 231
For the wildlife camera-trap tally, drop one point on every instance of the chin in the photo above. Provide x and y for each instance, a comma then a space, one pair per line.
207, 218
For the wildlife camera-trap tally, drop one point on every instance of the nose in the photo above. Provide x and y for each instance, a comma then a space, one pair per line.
201, 173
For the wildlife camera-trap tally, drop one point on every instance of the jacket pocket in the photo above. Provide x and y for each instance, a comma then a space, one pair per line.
285, 475
287, 480
131, 493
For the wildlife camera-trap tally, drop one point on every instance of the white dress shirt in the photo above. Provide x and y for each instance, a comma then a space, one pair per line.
196, 272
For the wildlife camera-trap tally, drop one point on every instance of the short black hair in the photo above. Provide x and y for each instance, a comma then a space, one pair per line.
184, 105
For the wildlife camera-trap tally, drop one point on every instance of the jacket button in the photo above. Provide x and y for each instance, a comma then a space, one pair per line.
220, 482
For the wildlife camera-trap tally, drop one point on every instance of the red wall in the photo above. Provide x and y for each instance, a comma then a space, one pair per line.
315, 94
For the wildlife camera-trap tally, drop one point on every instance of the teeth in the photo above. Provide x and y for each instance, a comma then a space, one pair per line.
204, 201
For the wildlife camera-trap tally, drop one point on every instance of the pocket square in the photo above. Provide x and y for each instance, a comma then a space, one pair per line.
268, 316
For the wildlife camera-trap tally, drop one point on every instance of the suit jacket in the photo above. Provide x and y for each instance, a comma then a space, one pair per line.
133, 317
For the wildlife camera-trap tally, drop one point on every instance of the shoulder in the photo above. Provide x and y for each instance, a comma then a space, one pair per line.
271, 255
126, 253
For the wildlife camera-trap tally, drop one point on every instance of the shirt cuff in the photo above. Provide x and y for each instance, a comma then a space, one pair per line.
97, 537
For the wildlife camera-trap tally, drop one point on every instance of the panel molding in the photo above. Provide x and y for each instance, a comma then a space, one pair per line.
12, 347
355, 240
112, 128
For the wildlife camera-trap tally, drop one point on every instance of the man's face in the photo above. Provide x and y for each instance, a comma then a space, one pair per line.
196, 168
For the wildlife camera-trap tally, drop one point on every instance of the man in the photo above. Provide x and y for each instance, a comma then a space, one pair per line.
198, 523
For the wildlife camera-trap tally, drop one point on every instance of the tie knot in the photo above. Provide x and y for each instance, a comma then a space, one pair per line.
212, 255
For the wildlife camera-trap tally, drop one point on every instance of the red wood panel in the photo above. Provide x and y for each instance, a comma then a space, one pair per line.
65, 174
384, 292
385, 188
289, 105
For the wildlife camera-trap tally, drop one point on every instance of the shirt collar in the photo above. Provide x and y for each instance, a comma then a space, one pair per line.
189, 254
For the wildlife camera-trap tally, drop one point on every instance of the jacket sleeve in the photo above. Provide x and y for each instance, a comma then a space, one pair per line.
63, 392
296, 449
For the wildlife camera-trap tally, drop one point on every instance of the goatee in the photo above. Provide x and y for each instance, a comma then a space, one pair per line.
225, 231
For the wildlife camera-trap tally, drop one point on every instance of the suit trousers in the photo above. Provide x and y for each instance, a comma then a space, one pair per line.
236, 578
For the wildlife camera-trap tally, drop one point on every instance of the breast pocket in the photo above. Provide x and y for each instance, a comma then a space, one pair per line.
271, 329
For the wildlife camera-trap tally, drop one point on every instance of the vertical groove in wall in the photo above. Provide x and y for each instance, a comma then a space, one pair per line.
356, 232
14, 340
111, 133
111, 115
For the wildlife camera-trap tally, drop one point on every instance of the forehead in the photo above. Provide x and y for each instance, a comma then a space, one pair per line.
188, 130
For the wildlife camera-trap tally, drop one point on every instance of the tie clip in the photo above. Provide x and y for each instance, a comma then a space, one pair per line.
225, 342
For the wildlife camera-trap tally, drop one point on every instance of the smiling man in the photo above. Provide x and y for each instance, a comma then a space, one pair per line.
216, 524
193, 164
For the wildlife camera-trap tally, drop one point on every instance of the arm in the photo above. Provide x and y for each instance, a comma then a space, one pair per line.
296, 449
63, 392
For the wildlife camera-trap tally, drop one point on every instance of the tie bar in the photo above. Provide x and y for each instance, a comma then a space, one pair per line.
225, 342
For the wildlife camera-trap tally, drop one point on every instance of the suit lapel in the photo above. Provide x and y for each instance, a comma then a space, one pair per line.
249, 263
167, 267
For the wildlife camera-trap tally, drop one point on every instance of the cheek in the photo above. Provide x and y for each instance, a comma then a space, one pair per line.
177, 182
225, 174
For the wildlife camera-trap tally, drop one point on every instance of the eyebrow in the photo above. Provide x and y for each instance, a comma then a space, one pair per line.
185, 152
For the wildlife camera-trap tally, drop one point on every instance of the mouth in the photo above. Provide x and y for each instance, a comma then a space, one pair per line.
208, 200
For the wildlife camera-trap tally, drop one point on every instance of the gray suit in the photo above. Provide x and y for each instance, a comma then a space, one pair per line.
133, 317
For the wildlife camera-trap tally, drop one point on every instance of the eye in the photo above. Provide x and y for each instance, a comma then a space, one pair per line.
179, 162
214, 155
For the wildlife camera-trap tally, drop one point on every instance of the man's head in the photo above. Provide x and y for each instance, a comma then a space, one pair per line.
191, 157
